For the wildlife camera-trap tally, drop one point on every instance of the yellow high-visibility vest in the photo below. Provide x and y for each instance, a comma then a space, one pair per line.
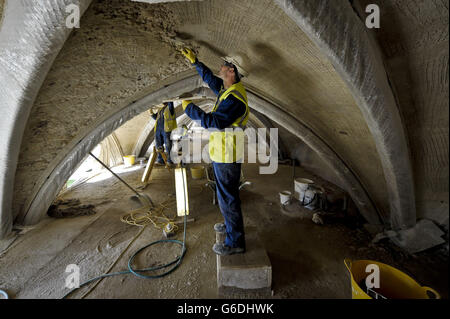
227, 146
170, 121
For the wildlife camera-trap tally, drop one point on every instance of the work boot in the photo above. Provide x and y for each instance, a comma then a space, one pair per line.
224, 250
220, 228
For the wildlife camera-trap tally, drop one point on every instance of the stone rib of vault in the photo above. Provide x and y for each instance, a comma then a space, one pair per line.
32, 33
344, 39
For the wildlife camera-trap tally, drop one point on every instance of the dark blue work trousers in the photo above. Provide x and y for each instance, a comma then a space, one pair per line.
227, 177
161, 138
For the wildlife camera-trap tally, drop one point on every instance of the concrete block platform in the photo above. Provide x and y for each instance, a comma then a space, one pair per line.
245, 275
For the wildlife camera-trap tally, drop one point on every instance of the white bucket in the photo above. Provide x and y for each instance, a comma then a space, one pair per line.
285, 197
129, 160
300, 186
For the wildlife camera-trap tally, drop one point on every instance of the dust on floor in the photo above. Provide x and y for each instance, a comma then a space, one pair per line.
307, 259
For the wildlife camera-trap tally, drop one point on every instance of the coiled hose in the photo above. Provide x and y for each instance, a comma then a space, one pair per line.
141, 272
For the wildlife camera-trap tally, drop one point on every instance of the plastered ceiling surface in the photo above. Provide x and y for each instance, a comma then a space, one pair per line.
30, 38
122, 48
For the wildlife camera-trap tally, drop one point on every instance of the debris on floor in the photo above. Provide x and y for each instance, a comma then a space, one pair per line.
94, 242
317, 219
69, 208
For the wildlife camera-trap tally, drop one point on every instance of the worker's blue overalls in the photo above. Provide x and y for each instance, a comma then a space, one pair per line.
162, 137
227, 175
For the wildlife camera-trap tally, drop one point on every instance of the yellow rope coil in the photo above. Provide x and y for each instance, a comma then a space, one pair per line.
146, 215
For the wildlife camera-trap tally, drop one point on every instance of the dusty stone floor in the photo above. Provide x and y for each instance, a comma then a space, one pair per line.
307, 259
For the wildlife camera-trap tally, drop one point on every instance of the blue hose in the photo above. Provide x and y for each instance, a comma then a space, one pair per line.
139, 272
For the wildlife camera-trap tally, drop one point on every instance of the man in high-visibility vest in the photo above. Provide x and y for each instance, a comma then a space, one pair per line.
226, 145
166, 122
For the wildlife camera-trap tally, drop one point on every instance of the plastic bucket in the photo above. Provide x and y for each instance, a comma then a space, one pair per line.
302, 183
285, 197
394, 284
197, 172
300, 186
129, 160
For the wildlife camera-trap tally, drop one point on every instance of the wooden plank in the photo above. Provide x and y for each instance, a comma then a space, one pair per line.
149, 167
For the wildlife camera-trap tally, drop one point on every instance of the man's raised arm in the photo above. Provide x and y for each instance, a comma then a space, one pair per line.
208, 77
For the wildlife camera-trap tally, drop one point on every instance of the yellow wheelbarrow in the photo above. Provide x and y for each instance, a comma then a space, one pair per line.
393, 284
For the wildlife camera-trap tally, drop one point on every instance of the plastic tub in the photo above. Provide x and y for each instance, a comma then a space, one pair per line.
129, 160
394, 284
301, 185
285, 197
